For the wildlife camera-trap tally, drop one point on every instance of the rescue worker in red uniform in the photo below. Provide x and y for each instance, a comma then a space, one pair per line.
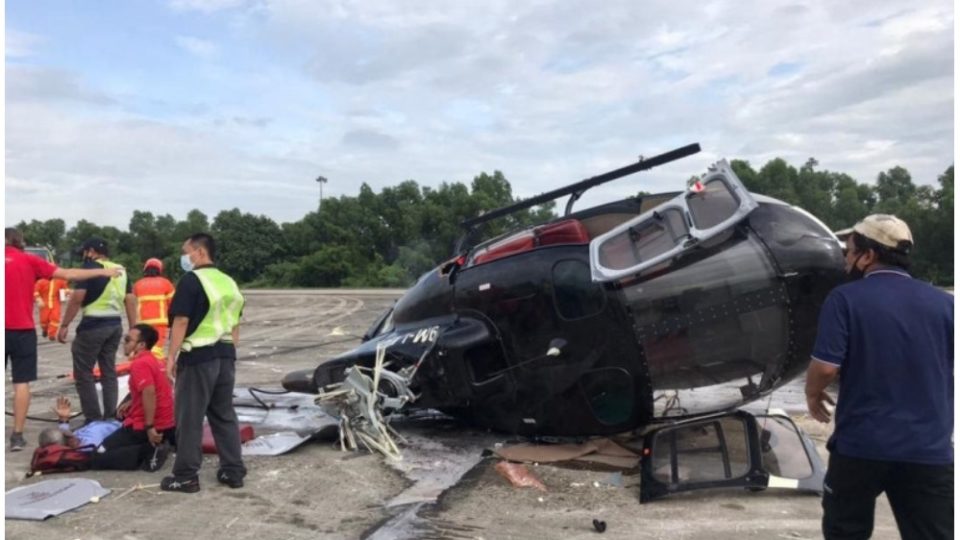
154, 293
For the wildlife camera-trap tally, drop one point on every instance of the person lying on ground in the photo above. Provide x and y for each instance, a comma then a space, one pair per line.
90, 434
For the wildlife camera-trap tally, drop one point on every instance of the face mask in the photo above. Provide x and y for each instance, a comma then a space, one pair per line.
185, 263
855, 273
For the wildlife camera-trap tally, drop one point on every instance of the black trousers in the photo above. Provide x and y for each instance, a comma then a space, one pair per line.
921, 497
97, 346
126, 449
206, 389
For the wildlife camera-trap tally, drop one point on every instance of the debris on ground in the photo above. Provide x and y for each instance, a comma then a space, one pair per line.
518, 475
50, 498
601, 451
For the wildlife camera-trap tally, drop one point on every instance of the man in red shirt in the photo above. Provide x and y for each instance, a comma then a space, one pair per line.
22, 271
148, 422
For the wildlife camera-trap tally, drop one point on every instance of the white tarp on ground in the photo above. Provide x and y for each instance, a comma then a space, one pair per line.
283, 413
50, 498
273, 444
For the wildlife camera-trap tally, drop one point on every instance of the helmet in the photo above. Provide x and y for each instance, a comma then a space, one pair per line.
154, 263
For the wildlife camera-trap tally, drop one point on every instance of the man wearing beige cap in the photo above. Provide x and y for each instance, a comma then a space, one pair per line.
889, 338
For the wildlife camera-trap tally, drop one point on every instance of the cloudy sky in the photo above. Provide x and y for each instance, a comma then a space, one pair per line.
170, 105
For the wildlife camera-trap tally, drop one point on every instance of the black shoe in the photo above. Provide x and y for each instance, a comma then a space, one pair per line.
172, 483
156, 460
17, 442
230, 479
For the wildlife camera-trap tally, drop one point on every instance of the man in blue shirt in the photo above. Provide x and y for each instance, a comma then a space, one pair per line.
889, 339
91, 434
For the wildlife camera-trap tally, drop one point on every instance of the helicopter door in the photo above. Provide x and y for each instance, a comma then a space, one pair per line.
710, 206
736, 449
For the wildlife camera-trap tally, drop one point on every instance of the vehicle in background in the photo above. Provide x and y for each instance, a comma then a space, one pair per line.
42, 252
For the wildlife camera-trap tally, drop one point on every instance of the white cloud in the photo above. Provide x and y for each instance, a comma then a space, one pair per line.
50, 85
206, 6
386, 90
21, 44
200, 48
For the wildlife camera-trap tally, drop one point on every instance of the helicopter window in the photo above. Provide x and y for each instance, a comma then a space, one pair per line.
703, 452
485, 361
574, 294
710, 208
712, 205
382, 325
782, 448
610, 394
662, 232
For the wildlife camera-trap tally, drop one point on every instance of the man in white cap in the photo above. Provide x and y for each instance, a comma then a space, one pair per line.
889, 339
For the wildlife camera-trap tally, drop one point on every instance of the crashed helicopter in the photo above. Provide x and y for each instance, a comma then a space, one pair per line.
678, 307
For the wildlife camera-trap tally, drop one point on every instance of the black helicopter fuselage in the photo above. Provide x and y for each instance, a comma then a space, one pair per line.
518, 335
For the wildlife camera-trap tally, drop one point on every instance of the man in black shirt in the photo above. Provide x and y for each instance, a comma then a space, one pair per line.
103, 301
204, 330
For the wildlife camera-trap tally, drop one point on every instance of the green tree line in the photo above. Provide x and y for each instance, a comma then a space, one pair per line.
388, 239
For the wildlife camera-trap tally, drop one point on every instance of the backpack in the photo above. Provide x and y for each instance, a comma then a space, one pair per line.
60, 458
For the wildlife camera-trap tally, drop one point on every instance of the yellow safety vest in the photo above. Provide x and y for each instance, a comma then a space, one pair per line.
226, 303
110, 301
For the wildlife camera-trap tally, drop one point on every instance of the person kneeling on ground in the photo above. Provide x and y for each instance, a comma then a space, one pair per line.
148, 430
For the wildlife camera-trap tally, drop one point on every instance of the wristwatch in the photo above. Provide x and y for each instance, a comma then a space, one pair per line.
147, 427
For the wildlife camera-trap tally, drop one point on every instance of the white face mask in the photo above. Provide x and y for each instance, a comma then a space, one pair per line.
185, 263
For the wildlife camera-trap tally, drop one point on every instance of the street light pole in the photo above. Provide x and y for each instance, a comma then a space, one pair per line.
321, 180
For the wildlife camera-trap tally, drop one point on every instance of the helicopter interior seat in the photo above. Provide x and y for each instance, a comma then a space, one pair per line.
601, 223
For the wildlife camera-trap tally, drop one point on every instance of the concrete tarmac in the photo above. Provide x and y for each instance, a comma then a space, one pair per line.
317, 491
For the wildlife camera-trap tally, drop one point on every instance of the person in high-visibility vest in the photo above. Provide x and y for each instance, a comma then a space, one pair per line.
55, 293
205, 328
104, 302
154, 293
40, 292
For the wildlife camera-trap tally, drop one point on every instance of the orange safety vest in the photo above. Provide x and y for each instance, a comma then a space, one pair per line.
153, 296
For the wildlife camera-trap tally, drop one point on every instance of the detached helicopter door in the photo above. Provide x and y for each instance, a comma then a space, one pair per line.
736, 449
709, 207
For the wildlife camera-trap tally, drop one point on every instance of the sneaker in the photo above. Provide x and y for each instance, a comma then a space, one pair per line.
172, 483
230, 479
156, 460
17, 442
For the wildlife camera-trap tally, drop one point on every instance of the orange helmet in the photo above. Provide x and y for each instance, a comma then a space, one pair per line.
154, 263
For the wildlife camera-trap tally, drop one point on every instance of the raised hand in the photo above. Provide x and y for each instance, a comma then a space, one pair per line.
62, 408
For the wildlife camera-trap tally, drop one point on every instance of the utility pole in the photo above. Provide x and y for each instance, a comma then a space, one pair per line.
321, 180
